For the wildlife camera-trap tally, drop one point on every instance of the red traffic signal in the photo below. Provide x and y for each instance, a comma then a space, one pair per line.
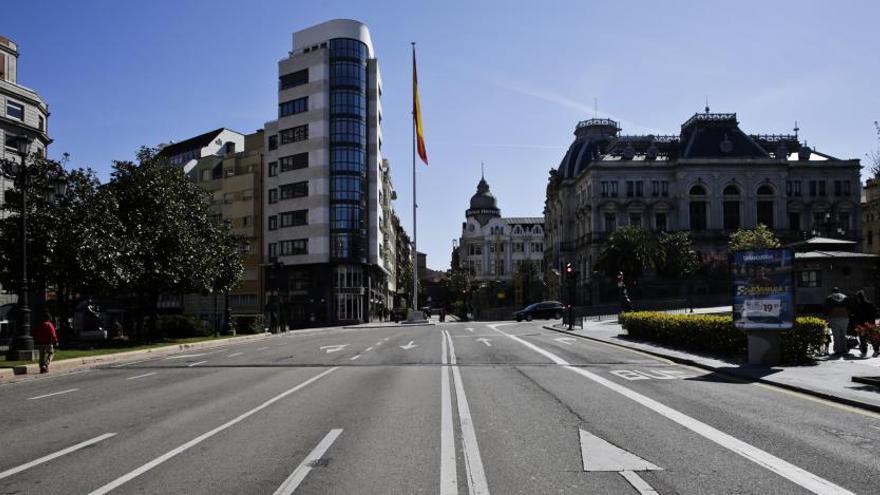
569, 268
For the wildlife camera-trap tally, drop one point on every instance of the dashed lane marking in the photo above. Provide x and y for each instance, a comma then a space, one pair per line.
53, 394
41, 460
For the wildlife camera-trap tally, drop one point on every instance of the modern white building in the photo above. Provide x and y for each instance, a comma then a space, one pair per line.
323, 186
23, 114
492, 247
186, 154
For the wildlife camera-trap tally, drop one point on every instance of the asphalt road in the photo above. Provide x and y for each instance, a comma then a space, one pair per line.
455, 408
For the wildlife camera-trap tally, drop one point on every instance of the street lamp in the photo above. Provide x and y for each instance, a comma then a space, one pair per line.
22, 346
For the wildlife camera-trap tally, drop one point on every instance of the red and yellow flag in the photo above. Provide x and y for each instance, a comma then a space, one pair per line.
417, 114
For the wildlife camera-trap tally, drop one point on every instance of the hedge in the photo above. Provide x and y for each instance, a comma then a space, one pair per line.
717, 335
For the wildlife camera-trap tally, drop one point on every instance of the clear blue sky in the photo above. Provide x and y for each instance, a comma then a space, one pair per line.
501, 81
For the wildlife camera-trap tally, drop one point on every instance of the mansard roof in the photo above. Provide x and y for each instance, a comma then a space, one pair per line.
703, 136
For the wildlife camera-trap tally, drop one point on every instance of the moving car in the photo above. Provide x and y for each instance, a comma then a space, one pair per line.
547, 310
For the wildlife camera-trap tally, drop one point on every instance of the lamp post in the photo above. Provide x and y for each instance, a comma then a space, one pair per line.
22, 346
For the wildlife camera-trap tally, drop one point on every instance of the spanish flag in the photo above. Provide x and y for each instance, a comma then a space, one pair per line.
417, 114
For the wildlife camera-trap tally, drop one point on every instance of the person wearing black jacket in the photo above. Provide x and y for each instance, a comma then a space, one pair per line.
865, 312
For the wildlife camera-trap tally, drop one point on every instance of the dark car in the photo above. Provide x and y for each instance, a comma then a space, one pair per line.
547, 310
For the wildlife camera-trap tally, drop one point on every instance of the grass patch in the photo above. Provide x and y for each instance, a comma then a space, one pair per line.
61, 354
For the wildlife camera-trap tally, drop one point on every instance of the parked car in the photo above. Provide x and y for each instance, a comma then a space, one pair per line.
547, 310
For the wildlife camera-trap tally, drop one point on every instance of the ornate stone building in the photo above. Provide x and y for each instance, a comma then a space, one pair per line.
491, 247
710, 179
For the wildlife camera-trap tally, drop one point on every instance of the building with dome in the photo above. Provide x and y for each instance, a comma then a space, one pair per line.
710, 180
491, 247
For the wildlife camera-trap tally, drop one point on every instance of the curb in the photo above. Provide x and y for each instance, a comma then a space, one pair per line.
121, 357
689, 362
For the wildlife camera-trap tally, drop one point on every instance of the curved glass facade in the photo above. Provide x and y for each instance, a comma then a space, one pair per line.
348, 150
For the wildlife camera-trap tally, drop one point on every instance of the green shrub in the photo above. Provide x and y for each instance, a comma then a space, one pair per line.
180, 327
717, 335
248, 324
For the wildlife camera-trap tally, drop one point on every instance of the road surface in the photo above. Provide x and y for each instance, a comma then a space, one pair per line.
504, 408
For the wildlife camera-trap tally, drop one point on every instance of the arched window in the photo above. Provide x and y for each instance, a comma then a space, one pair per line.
698, 208
731, 208
765, 206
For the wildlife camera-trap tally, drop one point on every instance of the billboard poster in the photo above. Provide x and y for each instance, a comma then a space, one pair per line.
763, 284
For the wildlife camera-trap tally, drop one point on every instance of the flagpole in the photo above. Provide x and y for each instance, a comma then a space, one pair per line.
415, 253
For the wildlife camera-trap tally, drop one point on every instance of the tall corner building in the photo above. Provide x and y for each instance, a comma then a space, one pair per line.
323, 185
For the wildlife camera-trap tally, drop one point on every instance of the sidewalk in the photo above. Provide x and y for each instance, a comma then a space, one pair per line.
829, 378
68, 365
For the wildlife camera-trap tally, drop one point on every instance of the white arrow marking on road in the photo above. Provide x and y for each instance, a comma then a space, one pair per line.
408, 346
298, 475
600, 455
566, 340
37, 462
485, 341
334, 348
471, 330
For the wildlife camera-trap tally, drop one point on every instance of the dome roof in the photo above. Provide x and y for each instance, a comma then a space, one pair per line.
483, 199
581, 152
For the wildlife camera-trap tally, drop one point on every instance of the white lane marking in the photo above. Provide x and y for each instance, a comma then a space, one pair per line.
333, 348
54, 394
408, 346
190, 365
448, 471
355, 357
473, 463
132, 362
368, 349
142, 376
299, 474
184, 356
471, 330
204, 436
261, 349
565, 340
386, 339
235, 354
638, 483
598, 454
486, 341
805, 479
41, 460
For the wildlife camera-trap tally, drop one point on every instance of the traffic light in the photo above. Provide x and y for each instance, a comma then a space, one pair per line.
569, 269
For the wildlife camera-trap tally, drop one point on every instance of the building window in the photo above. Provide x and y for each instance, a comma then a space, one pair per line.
605, 189
346, 187
475, 249
273, 250
294, 162
765, 206
519, 247
846, 188
813, 189
536, 247
228, 197
635, 220
870, 237
273, 142
809, 278
273, 222
698, 209
838, 188
294, 134
640, 189
294, 247
294, 218
630, 188
610, 222
246, 221
655, 188
293, 79
295, 190
14, 110
660, 221
793, 188
42, 124
206, 175
293, 107
273, 196
664, 188
614, 189
794, 221
273, 169
821, 188
731, 215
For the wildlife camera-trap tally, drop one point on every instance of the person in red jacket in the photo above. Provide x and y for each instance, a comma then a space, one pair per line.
46, 339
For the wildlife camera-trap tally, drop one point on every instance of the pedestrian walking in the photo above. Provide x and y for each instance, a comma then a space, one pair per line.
865, 313
46, 339
837, 314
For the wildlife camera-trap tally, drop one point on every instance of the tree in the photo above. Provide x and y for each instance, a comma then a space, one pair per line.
170, 243
758, 238
676, 256
630, 250
874, 155
527, 282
